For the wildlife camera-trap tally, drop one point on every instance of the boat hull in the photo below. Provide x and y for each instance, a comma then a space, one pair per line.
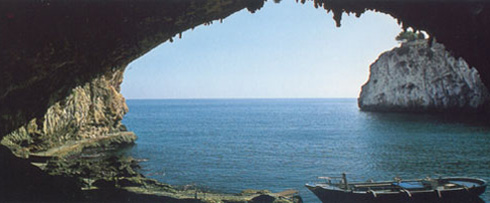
468, 194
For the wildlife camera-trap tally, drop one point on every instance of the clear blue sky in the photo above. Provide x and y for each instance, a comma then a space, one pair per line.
285, 50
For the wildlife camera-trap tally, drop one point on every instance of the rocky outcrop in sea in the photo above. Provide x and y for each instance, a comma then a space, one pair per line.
416, 77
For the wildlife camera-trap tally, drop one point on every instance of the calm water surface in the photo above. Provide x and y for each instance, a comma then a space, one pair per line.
278, 144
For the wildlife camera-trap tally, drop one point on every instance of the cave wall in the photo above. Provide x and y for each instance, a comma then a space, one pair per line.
90, 111
50, 47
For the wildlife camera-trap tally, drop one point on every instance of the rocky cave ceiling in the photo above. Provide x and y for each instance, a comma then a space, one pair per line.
50, 46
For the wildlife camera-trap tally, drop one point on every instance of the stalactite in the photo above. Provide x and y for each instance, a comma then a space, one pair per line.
337, 16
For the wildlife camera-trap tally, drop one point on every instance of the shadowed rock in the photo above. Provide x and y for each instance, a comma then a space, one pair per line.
92, 111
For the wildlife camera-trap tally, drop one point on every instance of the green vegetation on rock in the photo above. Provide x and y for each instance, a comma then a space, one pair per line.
409, 36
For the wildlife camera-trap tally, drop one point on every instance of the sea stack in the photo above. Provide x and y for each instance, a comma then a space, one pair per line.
418, 77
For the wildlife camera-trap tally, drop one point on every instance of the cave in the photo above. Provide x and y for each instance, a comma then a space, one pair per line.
49, 47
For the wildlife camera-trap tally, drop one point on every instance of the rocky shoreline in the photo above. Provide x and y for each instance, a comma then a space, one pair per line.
80, 140
106, 175
102, 173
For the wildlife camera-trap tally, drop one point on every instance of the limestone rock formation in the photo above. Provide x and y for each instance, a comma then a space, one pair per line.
91, 111
419, 77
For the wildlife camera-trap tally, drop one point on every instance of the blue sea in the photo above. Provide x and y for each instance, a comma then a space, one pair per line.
228, 145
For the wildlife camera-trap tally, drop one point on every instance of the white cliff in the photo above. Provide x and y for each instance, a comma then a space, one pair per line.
419, 77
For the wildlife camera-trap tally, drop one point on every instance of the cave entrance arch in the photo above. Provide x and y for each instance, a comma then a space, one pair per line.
170, 62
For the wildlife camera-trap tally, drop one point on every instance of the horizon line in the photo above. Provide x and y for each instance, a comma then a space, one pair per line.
241, 98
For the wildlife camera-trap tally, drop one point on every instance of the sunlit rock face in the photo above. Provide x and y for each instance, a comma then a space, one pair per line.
419, 77
90, 111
